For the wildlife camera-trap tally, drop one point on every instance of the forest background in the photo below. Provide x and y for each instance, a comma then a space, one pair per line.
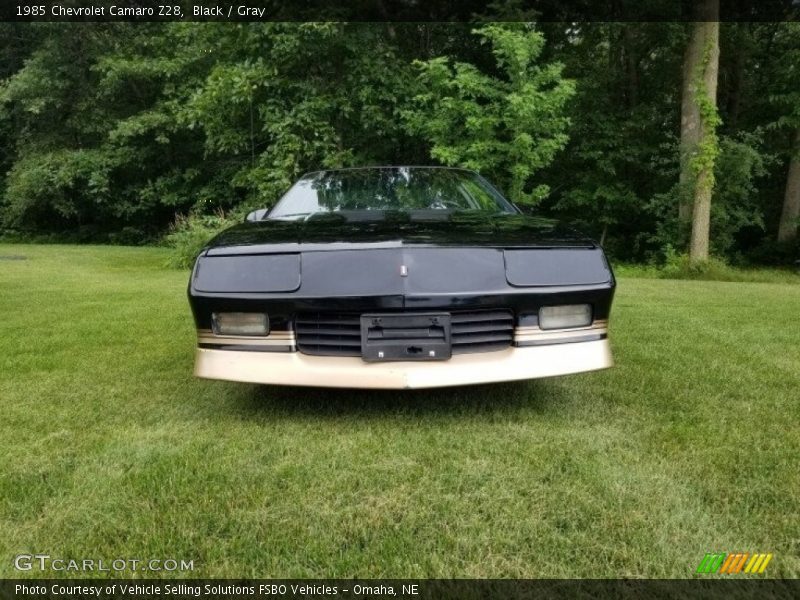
662, 139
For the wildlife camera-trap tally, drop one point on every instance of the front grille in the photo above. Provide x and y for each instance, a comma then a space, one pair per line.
329, 334
481, 330
339, 334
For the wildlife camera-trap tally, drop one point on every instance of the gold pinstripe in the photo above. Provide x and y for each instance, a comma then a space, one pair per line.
275, 338
537, 334
598, 324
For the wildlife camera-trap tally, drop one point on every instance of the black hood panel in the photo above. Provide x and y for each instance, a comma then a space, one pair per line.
401, 272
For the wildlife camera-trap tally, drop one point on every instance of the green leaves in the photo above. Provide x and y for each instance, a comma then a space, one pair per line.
64, 182
507, 125
112, 125
198, 118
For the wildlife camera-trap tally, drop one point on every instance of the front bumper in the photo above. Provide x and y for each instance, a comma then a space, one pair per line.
295, 368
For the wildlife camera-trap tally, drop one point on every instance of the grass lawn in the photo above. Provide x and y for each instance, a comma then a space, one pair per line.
110, 448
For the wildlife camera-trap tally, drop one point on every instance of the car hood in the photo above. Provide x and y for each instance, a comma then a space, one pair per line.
324, 231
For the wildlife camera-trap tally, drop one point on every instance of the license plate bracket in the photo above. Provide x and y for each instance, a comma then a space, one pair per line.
417, 337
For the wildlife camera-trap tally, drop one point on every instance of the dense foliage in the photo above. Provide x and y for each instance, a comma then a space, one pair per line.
110, 130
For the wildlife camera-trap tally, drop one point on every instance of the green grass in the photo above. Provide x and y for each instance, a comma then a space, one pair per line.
110, 448
711, 270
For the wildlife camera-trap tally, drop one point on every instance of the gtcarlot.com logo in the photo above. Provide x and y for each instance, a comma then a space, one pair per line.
45, 562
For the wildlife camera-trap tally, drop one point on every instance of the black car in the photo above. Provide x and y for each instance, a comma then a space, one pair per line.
398, 277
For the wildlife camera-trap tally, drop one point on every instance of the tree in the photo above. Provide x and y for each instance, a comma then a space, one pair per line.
787, 228
58, 175
699, 120
622, 151
108, 130
787, 99
121, 125
285, 98
507, 126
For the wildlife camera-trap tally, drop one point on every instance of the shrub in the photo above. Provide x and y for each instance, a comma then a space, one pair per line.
188, 235
679, 266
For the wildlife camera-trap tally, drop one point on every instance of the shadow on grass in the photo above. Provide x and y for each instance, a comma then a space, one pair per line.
501, 399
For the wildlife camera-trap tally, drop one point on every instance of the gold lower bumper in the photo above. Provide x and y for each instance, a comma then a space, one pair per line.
295, 368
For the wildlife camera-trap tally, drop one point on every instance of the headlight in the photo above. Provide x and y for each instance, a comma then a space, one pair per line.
240, 323
564, 317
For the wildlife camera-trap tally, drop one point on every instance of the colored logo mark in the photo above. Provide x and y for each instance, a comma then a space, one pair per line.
735, 562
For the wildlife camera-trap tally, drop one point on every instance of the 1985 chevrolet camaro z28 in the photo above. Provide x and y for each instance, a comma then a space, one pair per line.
398, 277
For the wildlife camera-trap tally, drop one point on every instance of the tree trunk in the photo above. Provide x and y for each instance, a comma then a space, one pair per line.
787, 230
700, 73
691, 126
690, 119
701, 216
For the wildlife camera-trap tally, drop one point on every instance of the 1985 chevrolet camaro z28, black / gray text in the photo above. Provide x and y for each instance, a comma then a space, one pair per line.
398, 277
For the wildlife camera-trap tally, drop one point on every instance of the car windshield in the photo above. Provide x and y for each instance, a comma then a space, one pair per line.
417, 190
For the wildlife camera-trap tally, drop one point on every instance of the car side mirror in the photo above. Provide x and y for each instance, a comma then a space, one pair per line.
256, 215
